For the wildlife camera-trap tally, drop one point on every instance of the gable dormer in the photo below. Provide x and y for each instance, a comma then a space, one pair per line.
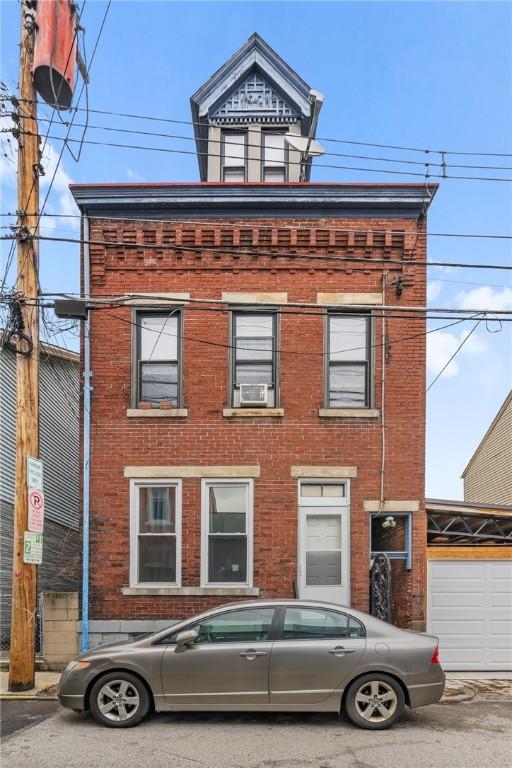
246, 114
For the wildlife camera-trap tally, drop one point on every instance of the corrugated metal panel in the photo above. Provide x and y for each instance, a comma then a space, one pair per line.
7, 424
59, 434
59, 572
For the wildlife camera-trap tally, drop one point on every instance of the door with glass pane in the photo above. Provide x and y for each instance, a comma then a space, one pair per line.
323, 541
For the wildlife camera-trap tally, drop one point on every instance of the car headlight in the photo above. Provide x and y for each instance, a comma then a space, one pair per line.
73, 666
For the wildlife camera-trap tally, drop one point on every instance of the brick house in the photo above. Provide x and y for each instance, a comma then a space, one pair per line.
238, 417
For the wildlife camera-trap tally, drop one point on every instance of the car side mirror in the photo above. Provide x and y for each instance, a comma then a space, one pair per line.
187, 637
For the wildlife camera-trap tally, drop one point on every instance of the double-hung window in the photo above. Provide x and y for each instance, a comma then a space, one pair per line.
234, 156
348, 372
158, 357
155, 532
226, 532
274, 157
254, 355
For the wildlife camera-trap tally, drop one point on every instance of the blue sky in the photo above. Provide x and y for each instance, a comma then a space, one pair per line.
420, 74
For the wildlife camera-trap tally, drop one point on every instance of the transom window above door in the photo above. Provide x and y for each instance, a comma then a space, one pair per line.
322, 490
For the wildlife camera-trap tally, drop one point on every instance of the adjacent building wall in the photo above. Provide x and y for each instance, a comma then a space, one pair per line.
488, 476
59, 450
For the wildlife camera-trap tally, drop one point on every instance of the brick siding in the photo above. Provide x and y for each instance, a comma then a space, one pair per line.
301, 437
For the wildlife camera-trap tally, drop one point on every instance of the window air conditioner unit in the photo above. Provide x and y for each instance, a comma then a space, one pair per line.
253, 394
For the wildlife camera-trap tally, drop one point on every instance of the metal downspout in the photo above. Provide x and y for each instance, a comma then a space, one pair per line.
86, 447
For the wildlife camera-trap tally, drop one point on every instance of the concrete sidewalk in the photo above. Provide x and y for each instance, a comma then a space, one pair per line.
45, 686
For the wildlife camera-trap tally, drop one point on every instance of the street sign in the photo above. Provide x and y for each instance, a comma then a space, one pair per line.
34, 473
35, 511
33, 548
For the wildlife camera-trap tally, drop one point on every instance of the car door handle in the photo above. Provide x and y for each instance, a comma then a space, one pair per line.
340, 650
251, 654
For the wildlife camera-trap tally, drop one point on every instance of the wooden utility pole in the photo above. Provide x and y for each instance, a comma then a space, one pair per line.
24, 577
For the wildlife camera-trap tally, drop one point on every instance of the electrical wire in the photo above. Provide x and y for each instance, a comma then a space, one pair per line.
197, 153
283, 352
219, 224
226, 142
111, 113
246, 252
443, 369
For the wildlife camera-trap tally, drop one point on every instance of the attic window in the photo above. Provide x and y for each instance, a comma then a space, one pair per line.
234, 156
274, 160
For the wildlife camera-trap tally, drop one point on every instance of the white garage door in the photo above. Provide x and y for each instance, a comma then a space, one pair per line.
470, 610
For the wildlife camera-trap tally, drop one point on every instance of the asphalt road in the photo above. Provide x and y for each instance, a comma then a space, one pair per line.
476, 734
17, 715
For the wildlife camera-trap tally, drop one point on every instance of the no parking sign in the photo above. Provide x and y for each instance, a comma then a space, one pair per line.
35, 511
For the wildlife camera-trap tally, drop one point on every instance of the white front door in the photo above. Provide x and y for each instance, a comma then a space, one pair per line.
324, 541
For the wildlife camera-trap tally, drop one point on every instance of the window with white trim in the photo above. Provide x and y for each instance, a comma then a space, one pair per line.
158, 357
274, 157
226, 556
348, 373
234, 156
155, 547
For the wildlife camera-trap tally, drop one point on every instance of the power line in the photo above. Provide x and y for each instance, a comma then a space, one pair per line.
246, 252
107, 301
299, 227
443, 369
197, 153
226, 142
301, 353
320, 138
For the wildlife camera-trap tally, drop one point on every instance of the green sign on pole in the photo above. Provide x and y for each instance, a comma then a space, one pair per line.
33, 548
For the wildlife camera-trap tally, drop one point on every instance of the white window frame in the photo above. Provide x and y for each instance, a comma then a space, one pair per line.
135, 484
205, 530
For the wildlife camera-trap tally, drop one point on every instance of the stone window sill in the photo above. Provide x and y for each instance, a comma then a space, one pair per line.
253, 413
156, 413
349, 413
193, 591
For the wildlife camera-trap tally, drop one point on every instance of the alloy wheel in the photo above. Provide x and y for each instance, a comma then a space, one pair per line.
118, 700
376, 701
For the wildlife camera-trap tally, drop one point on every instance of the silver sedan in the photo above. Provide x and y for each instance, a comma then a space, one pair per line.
269, 655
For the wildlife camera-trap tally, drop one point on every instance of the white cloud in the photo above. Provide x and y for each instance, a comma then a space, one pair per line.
485, 297
8, 165
441, 345
60, 199
134, 175
434, 288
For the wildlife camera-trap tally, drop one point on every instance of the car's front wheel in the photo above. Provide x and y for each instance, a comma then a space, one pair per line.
374, 701
119, 700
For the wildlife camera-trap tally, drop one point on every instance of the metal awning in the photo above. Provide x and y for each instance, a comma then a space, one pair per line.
448, 528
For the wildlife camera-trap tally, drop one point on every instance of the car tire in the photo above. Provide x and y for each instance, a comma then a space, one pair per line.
119, 700
374, 701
